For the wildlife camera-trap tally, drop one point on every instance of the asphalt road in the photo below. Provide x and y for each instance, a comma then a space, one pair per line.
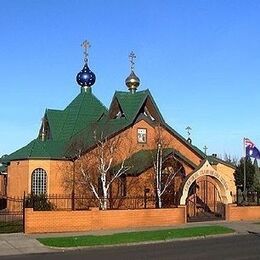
229, 247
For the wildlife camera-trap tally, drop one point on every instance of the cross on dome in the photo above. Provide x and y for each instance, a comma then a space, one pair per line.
85, 78
132, 81
85, 45
132, 56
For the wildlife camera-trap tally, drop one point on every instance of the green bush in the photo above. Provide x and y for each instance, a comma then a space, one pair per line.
39, 202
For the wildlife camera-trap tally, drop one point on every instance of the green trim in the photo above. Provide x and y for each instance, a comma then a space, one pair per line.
215, 160
185, 159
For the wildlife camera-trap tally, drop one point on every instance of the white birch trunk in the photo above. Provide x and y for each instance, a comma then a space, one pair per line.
159, 175
106, 154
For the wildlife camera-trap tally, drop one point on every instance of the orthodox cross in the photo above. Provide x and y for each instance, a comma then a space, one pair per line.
132, 56
85, 45
205, 149
188, 129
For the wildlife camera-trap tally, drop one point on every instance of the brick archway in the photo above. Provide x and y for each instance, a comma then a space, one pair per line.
206, 170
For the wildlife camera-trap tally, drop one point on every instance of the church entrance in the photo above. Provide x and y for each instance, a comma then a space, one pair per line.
204, 202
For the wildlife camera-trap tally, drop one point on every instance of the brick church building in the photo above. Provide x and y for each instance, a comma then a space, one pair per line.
66, 152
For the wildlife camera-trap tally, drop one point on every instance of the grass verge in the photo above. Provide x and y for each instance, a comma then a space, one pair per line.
134, 237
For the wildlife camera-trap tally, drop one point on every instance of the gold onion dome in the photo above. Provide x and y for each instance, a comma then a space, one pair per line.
132, 81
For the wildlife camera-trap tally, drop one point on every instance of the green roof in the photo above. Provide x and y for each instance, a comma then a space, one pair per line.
215, 160
131, 103
144, 159
55, 119
39, 149
141, 161
3, 168
77, 122
82, 111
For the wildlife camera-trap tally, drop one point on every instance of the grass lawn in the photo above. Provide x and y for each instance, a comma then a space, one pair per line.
134, 237
11, 227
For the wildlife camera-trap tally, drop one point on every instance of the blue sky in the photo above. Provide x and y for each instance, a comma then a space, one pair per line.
200, 59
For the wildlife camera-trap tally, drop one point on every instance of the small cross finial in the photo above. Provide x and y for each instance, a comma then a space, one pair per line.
132, 56
188, 129
85, 45
205, 149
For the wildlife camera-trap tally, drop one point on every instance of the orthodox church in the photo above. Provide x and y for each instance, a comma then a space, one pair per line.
133, 121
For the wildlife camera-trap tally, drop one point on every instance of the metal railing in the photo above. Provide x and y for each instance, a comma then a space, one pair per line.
69, 202
249, 198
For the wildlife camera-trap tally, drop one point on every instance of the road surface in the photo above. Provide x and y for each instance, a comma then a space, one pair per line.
228, 247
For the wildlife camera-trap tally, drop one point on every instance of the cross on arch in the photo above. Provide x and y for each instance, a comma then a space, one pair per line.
205, 148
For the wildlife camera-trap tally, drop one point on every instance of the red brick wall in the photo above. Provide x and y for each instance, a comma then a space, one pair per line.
2, 185
18, 178
69, 221
236, 213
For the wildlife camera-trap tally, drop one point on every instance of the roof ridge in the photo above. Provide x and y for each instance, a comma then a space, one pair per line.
193, 147
80, 106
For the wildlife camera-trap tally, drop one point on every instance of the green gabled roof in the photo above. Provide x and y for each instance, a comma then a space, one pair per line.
102, 128
141, 161
144, 159
55, 119
48, 149
81, 117
84, 109
131, 103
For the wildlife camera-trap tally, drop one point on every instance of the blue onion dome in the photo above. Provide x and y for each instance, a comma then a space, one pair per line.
132, 82
86, 78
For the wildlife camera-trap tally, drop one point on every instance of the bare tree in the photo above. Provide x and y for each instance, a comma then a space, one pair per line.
95, 167
162, 181
230, 159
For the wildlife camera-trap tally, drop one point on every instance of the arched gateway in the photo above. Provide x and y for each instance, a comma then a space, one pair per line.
205, 193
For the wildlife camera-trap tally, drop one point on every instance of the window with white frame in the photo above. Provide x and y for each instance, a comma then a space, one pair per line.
39, 181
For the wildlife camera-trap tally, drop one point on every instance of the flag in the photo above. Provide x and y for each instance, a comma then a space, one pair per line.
251, 149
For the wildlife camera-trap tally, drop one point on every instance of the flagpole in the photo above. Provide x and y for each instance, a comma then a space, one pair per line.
244, 145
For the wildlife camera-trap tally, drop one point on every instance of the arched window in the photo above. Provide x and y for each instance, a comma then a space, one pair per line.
39, 181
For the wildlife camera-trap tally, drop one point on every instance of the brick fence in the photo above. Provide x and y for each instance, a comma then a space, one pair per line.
91, 220
237, 213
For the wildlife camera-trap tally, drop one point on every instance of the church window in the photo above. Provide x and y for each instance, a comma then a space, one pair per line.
39, 181
141, 135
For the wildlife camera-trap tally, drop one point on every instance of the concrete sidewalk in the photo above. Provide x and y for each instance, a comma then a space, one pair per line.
19, 243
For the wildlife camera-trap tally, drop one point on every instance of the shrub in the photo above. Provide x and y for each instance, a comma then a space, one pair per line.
39, 202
